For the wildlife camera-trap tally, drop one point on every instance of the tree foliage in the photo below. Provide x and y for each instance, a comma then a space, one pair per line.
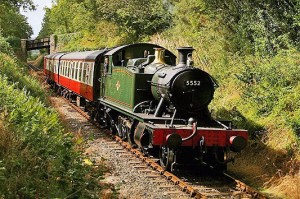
12, 23
45, 30
17, 4
134, 20
261, 27
138, 18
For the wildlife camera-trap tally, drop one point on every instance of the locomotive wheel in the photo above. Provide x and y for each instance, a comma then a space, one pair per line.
217, 160
221, 167
130, 138
122, 131
166, 157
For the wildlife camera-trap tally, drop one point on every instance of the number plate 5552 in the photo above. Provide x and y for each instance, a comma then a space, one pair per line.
192, 83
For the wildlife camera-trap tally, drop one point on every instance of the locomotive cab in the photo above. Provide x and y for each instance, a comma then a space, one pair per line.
126, 84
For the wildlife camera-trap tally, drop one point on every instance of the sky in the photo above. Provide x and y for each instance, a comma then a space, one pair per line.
35, 18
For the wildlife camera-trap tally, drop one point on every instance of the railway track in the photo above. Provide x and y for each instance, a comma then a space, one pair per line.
32, 67
191, 182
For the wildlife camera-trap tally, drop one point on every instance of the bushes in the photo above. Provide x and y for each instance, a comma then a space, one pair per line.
5, 47
264, 90
273, 92
37, 160
270, 82
16, 72
40, 160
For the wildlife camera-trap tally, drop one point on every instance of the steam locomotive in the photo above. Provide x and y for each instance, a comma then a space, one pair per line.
140, 94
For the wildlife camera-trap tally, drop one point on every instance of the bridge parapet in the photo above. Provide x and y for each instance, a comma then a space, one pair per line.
48, 43
38, 44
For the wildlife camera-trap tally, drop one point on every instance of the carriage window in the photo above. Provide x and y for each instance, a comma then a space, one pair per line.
62, 68
65, 68
87, 76
65, 64
74, 67
57, 66
68, 69
50, 66
91, 74
80, 71
71, 70
84, 72
75, 70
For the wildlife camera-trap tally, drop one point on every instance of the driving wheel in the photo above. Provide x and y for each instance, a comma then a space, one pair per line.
166, 157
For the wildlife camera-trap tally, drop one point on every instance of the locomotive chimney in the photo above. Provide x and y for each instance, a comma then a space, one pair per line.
159, 56
183, 53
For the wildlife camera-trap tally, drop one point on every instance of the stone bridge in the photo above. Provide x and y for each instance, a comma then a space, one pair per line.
48, 43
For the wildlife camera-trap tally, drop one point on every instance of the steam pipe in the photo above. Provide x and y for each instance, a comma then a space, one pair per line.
193, 134
159, 109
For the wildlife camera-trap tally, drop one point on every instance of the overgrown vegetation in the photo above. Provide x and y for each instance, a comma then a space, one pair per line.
250, 47
37, 159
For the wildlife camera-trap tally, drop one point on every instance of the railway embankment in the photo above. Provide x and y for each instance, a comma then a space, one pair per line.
38, 159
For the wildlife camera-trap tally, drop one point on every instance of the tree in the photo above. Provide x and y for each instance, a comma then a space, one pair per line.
46, 29
12, 23
138, 18
261, 27
25, 4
